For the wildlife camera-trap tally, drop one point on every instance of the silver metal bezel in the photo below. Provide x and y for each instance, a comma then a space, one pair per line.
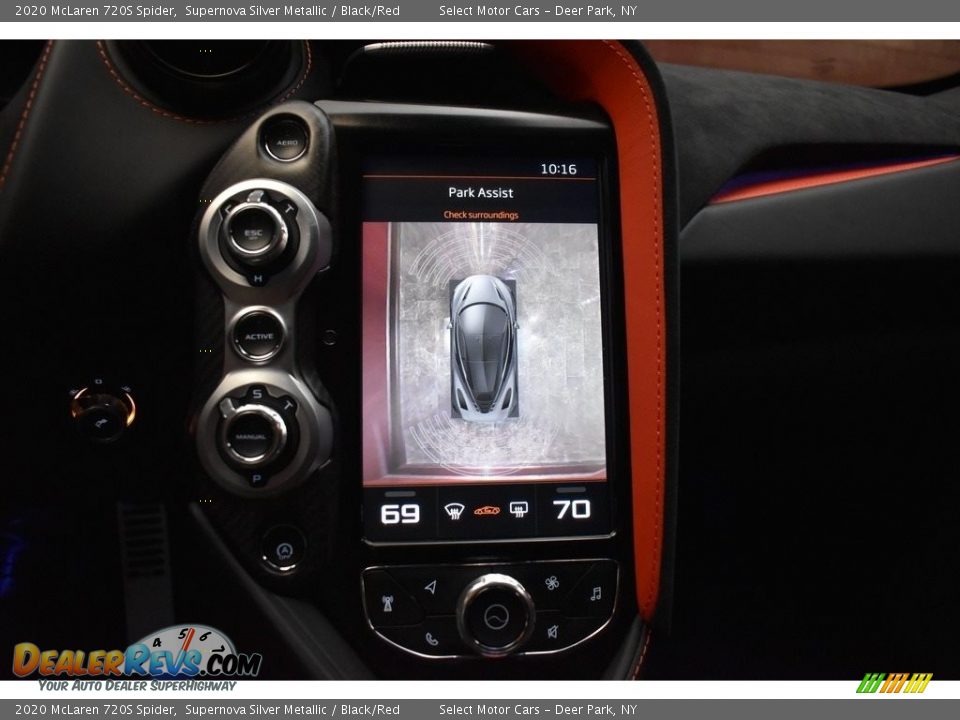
313, 251
269, 251
277, 568
279, 296
481, 585
272, 566
257, 310
266, 146
231, 414
314, 424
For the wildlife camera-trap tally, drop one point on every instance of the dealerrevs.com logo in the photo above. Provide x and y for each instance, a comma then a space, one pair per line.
176, 652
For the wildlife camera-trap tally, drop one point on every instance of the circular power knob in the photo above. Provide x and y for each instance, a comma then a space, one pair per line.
252, 435
102, 416
256, 233
495, 615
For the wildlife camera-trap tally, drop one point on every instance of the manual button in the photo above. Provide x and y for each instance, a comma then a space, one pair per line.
251, 436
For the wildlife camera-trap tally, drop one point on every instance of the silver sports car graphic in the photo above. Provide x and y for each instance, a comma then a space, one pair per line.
483, 349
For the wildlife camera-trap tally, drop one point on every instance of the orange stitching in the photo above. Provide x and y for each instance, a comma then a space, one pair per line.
101, 49
643, 654
25, 113
658, 261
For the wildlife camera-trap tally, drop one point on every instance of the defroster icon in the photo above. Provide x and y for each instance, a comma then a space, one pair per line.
454, 510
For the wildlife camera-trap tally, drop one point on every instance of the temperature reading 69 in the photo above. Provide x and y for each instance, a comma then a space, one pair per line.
578, 509
407, 514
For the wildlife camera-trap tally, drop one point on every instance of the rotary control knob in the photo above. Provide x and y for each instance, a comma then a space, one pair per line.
101, 414
252, 436
495, 615
255, 232
258, 432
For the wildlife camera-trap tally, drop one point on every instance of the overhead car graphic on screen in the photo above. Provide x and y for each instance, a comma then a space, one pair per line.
483, 349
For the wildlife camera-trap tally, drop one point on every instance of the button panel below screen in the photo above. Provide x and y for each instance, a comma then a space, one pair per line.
415, 606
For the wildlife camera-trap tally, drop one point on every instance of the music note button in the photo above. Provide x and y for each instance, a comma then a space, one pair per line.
594, 595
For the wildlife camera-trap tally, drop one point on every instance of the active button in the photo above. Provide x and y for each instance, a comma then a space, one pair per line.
258, 335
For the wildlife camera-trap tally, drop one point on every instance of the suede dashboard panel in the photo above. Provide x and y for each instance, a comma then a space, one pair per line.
723, 119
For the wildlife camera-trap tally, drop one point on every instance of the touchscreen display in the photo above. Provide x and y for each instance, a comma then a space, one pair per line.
483, 368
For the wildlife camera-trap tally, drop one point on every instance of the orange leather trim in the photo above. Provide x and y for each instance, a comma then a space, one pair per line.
605, 73
775, 187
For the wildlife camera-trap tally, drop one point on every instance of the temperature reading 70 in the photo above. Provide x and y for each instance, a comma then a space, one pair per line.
578, 509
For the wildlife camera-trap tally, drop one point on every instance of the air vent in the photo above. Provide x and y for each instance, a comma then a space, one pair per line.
211, 79
145, 554
143, 533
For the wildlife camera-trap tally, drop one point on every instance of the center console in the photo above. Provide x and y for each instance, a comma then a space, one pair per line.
412, 407
489, 404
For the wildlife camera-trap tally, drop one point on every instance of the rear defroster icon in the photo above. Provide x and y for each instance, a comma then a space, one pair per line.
519, 508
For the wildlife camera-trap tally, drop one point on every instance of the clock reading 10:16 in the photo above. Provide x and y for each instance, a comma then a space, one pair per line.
558, 168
